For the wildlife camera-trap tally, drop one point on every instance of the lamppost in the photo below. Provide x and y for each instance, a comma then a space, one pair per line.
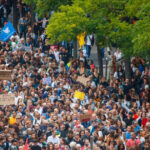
106, 59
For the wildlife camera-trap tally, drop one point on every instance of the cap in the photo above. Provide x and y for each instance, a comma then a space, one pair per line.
146, 86
77, 133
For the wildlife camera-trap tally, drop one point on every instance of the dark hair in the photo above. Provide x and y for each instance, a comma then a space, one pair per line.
119, 146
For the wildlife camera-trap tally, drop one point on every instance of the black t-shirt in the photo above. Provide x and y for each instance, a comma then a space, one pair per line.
63, 133
128, 121
1, 12
36, 148
64, 57
7, 50
45, 47
36, 29
79, 142
51, 56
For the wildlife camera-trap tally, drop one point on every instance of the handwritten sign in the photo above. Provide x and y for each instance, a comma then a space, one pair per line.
7, 99
5, 74
82, 80
79, 95
85, 117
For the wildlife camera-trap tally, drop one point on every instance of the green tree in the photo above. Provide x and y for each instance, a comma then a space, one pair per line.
45, 6
66, 24
141, 39
92, 16
110, 21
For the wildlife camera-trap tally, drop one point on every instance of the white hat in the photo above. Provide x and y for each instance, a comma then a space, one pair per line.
146, 86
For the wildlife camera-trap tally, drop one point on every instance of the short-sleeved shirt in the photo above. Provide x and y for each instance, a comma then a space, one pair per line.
130, 143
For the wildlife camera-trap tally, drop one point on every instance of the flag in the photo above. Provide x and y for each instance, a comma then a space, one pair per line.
81, 39
7, 31
60, 147
26, 145
68, 66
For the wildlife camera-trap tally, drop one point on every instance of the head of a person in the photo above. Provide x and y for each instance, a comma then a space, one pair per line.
86, 142
56, 146
14, 114
70, 134
54, 132
50, 146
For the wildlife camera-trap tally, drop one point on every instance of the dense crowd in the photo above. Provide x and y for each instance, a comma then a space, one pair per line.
46, 115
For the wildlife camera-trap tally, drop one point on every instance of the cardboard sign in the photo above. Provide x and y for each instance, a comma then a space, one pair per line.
27, 48
85, 117
82, 80
79, 95
7, 99
47, 80
5, 74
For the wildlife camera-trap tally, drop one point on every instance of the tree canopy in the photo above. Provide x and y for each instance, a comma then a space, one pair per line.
45, 6
110, 20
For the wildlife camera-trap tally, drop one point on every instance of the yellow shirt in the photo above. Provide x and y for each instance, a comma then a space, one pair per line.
12, 120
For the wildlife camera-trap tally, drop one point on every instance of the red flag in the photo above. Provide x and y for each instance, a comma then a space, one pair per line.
76, 123
26, 145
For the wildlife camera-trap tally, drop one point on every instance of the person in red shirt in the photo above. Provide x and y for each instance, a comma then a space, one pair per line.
133, 142
144, 119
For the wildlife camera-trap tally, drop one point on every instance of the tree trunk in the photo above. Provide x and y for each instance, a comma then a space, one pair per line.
32, 15
15, 15
100, 60
75, 48
127, 68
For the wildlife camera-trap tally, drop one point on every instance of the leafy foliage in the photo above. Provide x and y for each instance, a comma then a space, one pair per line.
110, 20
66, 24
45, 6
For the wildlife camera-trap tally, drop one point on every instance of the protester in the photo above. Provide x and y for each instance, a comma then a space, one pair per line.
50, 99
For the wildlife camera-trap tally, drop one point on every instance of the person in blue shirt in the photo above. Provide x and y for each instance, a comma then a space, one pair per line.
137, 127
46, 115
128, 133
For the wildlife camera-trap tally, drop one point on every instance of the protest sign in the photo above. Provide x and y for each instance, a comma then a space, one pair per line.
5, 74
27, 48
82, 80
53, 47
47, 80
7, 99
85, 117
79, 95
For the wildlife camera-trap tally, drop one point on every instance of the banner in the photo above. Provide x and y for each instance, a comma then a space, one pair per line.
5, 74
7, 31
7, 99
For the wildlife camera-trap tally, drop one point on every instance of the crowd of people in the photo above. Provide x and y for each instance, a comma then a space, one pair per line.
46, 114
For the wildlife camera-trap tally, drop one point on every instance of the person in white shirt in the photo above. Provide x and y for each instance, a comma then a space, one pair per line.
118, 55
56, 54
89, 42
53, 138
39, 109
17, 97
